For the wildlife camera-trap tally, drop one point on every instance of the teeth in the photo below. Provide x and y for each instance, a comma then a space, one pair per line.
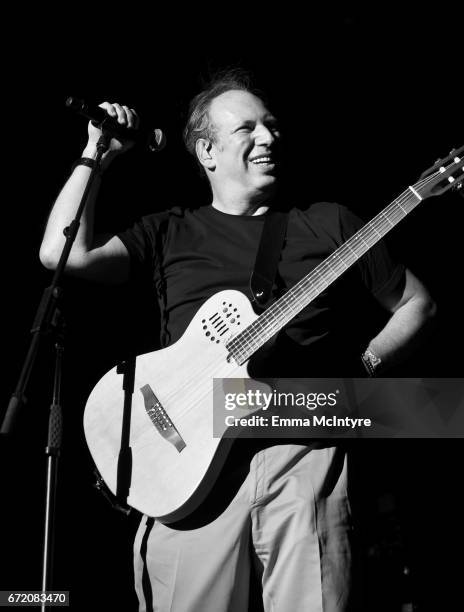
261, 160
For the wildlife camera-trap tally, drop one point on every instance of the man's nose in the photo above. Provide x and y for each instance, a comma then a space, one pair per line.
264, 136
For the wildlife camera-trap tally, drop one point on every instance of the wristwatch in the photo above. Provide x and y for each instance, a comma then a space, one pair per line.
371, 362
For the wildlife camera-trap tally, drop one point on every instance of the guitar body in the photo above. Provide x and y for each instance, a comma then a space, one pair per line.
166, 482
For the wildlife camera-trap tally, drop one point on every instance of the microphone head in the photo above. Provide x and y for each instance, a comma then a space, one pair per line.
76, 104
156, 141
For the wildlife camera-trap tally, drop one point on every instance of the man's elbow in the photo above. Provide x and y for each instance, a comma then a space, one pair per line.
48, 259
428, 308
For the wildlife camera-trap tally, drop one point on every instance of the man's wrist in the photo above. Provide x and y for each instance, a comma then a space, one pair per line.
371, 362
89, 162
90, 151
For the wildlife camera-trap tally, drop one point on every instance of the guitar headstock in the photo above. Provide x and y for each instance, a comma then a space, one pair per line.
445, 174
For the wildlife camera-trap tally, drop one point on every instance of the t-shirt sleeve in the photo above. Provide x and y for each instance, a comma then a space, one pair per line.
142, 242
379, 271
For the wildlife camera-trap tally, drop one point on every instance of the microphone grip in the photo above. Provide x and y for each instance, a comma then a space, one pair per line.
154, 140
100, 118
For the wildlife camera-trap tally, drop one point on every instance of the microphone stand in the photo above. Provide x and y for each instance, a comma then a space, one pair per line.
47, 320
53, 449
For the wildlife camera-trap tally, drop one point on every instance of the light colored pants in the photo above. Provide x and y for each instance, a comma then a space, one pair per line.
289, 516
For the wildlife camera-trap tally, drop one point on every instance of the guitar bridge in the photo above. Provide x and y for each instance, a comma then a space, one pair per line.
160, 418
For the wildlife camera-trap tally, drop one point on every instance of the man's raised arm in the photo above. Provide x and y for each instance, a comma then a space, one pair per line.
101, 258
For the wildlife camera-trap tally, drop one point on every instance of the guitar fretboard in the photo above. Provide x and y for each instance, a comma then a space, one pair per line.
243, 345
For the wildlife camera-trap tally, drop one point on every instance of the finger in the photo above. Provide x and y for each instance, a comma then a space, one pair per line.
136, 119
109, 109
121, 113
130, 116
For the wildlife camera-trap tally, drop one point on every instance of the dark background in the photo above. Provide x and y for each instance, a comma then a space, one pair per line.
368, 101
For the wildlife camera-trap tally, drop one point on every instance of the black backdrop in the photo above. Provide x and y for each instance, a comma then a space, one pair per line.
367, 102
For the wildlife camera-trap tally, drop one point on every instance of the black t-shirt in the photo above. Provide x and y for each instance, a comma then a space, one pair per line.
190, 254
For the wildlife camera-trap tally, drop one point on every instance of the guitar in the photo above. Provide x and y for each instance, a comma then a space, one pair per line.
175, 457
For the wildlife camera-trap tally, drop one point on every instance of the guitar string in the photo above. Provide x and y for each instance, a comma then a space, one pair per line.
195, 396
245, 343
244, 340
279, 313
399, 217
191, 383
247, 339
402, 199
212, 369
195, 392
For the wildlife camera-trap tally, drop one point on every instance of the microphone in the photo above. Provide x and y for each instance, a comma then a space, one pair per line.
155, 140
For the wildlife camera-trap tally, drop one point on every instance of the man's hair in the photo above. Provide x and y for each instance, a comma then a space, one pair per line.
198, 123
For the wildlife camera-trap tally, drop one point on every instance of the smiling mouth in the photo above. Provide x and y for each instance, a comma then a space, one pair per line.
263, 160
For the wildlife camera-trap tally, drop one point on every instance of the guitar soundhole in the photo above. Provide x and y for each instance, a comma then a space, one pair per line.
221, 322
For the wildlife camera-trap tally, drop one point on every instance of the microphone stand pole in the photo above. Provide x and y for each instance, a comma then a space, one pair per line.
53, 449
46, 321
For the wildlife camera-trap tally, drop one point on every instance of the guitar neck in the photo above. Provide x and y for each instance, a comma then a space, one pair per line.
272, 320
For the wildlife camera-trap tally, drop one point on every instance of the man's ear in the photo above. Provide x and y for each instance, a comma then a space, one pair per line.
203, 148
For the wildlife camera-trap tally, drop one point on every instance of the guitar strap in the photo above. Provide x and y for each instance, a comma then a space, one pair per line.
267, 257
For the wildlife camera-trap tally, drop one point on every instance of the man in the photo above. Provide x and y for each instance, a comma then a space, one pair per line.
281, 507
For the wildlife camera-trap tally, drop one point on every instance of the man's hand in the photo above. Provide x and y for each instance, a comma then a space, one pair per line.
126, 117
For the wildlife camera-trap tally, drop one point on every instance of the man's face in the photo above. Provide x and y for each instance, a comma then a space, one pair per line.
244, 152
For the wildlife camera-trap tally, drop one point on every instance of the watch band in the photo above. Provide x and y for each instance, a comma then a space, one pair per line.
371, 362
86, 161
